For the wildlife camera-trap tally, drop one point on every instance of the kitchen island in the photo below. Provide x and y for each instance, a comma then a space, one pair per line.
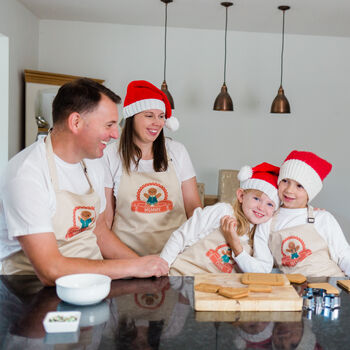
158, 314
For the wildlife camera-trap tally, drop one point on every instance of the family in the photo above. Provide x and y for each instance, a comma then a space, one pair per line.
75, 202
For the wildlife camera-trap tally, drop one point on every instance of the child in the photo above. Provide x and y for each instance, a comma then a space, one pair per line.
301, 240
202, 246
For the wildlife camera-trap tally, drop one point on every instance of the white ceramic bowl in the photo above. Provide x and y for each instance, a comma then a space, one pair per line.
83, 288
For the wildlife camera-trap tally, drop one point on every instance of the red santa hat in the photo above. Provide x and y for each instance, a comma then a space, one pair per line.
141, 96
306, 168
262, 177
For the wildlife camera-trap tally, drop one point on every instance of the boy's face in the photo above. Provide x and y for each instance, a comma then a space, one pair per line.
292, 194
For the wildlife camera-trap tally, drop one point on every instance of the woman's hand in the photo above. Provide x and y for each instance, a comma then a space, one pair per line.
229, 230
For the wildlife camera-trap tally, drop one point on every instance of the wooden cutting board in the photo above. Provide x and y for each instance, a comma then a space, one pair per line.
248, 316
282, 298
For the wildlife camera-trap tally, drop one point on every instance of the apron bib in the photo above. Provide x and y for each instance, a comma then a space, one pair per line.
73, 223
149, 208
301, 249
209, 255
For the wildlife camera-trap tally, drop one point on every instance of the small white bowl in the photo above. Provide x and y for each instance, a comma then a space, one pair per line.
62, 321
83, 288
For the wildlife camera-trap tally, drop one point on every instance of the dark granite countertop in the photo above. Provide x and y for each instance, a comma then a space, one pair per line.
159, 314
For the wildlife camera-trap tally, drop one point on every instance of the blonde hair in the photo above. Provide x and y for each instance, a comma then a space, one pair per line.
243, 225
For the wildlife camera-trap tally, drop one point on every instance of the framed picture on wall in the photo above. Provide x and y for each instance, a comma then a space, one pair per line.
40, 90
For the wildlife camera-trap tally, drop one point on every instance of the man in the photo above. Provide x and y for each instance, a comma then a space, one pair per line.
52, 196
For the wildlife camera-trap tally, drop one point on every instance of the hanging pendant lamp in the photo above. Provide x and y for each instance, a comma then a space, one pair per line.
280, 104
164, 86
223, 102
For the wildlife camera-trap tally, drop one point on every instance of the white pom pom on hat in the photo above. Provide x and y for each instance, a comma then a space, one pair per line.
245, 173
172, 123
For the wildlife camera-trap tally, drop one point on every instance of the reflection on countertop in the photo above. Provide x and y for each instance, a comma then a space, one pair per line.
157, 313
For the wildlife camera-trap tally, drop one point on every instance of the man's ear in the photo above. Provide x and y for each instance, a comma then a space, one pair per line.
75, 122
239, 194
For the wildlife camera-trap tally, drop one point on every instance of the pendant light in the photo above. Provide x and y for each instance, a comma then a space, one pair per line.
280, 104
223, 102
164, 86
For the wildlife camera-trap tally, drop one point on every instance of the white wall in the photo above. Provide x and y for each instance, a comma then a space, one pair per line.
22, 29
4, 100
315, 82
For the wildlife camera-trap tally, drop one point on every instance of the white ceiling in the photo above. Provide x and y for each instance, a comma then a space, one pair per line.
311, 17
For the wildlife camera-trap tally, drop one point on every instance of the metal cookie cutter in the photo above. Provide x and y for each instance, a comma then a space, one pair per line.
332, 301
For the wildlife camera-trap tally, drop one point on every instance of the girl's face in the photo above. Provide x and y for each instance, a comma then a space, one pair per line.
292, 194
147, 125
257, 206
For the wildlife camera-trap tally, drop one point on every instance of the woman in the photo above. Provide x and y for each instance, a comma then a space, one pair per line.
150, 176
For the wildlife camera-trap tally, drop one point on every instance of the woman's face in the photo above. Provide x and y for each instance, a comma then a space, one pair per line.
147, 125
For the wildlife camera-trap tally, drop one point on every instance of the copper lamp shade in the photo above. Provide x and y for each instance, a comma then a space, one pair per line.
280, 104
223, 102
164, 88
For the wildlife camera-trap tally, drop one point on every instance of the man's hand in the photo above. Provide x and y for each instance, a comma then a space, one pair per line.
151, 265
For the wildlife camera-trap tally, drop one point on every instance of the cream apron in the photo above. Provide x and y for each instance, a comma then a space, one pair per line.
149, 208
73, 223
301, 249
210, 254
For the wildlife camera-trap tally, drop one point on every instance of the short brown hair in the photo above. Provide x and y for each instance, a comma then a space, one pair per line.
81, 95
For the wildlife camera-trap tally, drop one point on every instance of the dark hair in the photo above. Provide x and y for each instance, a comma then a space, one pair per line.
81, 95
129, 152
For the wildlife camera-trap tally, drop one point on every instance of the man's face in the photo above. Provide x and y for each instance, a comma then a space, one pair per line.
99, 126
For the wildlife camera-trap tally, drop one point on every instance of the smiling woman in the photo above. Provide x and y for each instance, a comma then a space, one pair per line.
151, 186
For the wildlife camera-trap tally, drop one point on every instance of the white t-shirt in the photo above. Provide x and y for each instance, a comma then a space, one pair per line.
176, 151
325, 224
27, 197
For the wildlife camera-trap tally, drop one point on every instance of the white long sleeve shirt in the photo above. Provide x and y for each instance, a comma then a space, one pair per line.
325, 224
202, 223
198, 226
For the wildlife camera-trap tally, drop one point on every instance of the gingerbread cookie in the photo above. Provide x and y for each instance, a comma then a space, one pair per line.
233, 293
269, 279
296, 278
207, 287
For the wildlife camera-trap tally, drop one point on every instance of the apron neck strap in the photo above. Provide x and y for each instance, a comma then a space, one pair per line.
51, 161
52, 164
310, 215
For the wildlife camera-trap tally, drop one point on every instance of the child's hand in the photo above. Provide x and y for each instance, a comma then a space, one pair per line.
229, 230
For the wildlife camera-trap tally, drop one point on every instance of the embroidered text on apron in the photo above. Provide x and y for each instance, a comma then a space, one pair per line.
149, 208
210, 254
73, 223
301, 249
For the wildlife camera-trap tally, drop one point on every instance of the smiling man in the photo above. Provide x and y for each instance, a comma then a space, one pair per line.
52, 198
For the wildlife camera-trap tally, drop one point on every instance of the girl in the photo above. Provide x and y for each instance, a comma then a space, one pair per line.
151, 178
301, 240
198, 246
